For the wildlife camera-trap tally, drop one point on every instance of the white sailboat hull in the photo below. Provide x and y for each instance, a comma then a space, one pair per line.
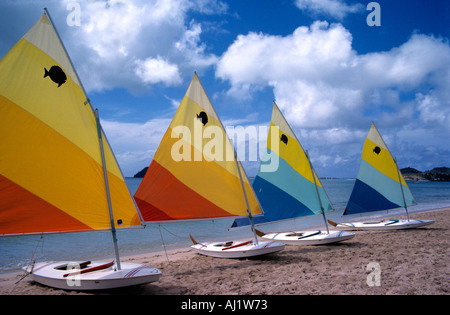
383, 225
108, 278
238, 249
309, 237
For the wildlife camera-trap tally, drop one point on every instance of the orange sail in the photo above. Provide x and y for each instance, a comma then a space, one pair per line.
51, 171
194, 173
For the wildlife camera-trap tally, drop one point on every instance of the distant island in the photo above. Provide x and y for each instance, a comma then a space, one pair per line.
438, 174
141, 173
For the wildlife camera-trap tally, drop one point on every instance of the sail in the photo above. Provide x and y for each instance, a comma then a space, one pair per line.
377, 186
51, 173
194, 174
288, 191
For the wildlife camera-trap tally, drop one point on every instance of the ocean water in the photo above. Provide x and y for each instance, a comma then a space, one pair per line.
16, 251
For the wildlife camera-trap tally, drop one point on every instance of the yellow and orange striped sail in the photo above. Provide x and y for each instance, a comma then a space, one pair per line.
51, 173
194, 173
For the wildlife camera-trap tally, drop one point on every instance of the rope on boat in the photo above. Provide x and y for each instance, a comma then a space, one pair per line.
164, 245
33, 261
173, 234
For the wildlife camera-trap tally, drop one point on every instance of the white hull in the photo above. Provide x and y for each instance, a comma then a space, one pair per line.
130, 274
236, 250
309, 237
383, 225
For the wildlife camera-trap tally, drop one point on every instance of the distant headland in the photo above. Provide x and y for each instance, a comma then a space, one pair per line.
141, 173
441, 174
437, 174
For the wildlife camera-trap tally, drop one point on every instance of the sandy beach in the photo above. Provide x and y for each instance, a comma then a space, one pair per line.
412, 261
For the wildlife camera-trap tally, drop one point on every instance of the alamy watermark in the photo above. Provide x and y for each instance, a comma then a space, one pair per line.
374, 17
74, 275
374, 277
74, 17
209, 143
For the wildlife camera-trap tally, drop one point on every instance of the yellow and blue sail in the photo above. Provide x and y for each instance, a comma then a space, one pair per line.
289, 190
379, 185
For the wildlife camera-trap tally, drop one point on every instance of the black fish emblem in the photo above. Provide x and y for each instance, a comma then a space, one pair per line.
56, 74
284, 139
377, 150
203, 118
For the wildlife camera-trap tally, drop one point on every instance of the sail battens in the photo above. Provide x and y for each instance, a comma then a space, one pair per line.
193, 174
379, 184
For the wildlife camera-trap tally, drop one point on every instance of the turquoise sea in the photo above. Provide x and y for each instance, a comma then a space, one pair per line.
15, 251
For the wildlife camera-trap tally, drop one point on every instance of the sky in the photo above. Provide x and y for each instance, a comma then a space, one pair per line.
331, 71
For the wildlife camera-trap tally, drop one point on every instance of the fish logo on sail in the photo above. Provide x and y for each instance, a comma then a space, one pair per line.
203, 118
56, 74
284, 139
377, 150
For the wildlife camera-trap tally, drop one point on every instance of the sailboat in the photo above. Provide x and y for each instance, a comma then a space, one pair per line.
290, 190
196, 175
57, 171
379, 186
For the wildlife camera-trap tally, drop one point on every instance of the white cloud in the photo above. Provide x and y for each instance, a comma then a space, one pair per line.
119, 43
334, 8
259, 58
155, 70
408, 65
314, 53
431, 110
315, 105
190, 46
319, 79
322, 84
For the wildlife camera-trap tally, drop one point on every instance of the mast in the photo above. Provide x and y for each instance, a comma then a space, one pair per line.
99, 131
401, 188
108, 196
317, 191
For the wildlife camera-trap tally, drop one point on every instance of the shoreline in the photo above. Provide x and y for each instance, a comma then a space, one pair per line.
411, 262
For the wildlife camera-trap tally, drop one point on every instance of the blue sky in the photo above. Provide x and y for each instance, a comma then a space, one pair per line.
329, 71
